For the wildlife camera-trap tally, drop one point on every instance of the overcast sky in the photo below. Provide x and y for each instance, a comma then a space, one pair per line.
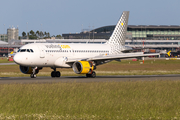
70, 16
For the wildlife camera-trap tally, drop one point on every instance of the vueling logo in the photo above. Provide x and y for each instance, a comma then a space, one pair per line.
58, 46
65, 46
53, 46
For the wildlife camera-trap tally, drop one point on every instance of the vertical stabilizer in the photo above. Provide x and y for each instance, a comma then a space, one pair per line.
119, 35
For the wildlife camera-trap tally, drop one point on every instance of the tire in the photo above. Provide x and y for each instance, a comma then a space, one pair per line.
33, 75
58, 74
53, 74
88, 75
93, 75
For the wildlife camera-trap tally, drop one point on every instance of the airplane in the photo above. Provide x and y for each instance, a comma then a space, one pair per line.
83, 58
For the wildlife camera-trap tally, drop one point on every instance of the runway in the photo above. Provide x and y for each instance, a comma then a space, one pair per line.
25, 80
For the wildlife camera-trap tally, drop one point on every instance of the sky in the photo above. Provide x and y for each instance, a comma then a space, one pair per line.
71, 16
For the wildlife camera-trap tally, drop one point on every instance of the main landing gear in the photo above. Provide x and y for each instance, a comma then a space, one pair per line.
92, 75
34, 72
55, 73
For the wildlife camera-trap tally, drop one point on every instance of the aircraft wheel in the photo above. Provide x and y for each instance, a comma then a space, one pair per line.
53, 74
93, 75
58, 74
33, 75
88, 75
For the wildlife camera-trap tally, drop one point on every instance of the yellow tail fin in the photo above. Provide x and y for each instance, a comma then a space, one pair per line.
169, 53
12, 52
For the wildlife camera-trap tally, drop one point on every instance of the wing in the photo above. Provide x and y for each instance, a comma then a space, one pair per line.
113, 57
123, 56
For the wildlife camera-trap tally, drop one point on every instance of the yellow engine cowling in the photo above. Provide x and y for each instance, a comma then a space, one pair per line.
83, 67
27, 70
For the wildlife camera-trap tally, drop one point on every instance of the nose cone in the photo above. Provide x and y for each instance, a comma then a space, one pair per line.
17, 58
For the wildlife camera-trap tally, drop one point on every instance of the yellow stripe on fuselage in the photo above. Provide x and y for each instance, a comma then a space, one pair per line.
65, 46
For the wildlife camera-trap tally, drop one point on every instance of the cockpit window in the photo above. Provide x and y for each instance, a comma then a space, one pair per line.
25, 50
28, 50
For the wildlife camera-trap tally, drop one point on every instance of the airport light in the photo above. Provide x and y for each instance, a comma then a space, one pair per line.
89, 32
41, 31
93, 33
27, 30
82, 31
4, 32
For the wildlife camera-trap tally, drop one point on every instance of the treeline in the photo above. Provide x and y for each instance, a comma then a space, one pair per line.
37, 35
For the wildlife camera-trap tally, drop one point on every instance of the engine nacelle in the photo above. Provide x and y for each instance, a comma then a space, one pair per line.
27, 70
83, 67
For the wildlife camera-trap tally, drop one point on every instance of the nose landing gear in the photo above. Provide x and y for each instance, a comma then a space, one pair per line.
34, 72
33, 75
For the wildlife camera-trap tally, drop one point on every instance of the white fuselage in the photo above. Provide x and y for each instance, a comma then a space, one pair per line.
56, 54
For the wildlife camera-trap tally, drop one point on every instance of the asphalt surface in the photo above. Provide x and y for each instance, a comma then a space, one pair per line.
25, 80
7, 63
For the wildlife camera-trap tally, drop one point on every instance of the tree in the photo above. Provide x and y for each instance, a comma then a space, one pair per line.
37, 32
48, 34
45, 34
41, 34
23, 34
32, 32
32, 37
58, 36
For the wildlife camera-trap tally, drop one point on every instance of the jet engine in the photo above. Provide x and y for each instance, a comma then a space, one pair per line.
83, 67
27, 70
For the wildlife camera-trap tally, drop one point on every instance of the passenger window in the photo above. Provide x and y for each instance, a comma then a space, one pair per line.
31, 50
28, 50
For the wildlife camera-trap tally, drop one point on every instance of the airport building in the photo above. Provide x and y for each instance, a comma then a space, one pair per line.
3, 37
134, 32
157, 38
12, 34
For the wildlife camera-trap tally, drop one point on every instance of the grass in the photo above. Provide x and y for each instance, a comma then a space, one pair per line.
97, 100
126, 67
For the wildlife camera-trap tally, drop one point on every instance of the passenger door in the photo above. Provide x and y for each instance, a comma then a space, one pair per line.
42, 52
